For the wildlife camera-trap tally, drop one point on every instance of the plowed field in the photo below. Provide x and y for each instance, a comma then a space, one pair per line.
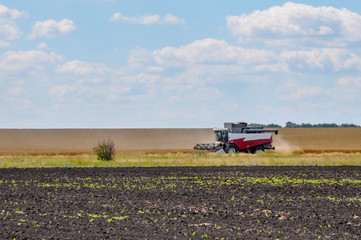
181, 203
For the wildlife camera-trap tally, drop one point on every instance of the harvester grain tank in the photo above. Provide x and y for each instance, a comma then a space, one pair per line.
238, 137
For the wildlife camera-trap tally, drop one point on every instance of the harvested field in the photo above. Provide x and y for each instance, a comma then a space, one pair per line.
79, 141
181, 203
318, 140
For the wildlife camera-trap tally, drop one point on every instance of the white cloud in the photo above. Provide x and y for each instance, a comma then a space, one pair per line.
148, 19
299, 91
298, 25
347, 91
92, 81
212, 55
60, 90
16, 91
51, 28
42, 45
116, 17
350, 82
81, 68
6, 13
336, 59
117, 93
4, 44
31, 61
277, 67
211, 51
176, 81
171, 19
188, 67
304, 92
17, 102
155, 69
8, 29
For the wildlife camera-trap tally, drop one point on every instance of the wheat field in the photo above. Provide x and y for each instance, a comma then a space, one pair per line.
318, 140
80, 141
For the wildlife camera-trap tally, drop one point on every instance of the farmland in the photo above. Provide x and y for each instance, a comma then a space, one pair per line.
318, 140
181, 203
51, 186
80, 141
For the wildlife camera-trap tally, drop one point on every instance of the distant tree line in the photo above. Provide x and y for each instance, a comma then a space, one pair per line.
290, 124
318, 125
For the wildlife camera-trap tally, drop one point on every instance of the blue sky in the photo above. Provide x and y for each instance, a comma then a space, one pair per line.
178, 64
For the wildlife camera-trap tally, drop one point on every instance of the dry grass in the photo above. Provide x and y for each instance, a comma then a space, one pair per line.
151, 159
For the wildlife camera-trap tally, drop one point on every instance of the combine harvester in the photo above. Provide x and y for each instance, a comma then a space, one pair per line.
237, 137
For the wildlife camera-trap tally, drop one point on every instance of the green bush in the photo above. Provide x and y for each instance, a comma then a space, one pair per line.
105, 150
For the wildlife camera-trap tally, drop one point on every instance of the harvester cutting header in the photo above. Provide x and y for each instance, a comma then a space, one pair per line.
237, 137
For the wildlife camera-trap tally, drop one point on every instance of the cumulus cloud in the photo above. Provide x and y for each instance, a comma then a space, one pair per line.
51, 28
117, 93
295, 90
60, 90
303, 92
8, 29
148, 19
91, 80
212, 55
81, 68
42, 45
12, 63
206, 51
347, 91
205, 73
350, 82
335, 59
298, 24
16, 91
10, 13
208, 60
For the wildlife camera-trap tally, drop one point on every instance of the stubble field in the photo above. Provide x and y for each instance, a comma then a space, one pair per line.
80, 141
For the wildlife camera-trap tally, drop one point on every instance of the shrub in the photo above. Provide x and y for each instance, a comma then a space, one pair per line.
105, 150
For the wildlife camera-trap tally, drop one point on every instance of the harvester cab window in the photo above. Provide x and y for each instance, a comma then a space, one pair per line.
221, 136
218, 136
225, 136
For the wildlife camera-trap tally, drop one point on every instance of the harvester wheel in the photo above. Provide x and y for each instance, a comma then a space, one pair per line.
259, 149
232, 150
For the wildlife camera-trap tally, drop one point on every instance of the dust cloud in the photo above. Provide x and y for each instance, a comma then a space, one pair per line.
283, 146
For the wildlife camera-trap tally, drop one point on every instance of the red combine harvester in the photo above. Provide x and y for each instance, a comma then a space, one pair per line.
237, 137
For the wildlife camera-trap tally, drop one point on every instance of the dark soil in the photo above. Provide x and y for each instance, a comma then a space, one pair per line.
181, 203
